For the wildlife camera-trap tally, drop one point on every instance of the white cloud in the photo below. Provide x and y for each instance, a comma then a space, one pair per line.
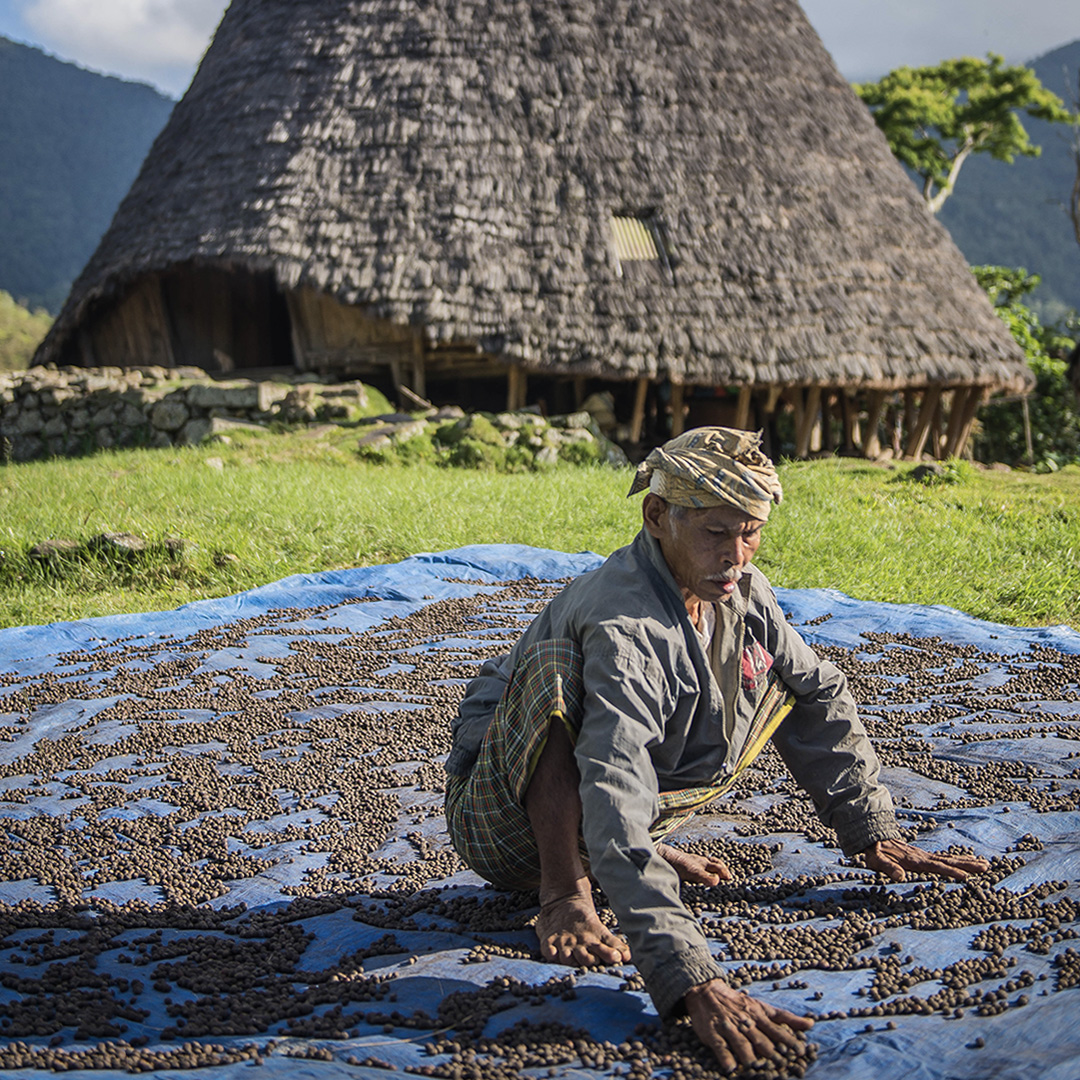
867, 39
161, 41
157, 40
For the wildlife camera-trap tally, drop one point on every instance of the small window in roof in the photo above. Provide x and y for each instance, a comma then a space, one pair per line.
635, 239
640, 247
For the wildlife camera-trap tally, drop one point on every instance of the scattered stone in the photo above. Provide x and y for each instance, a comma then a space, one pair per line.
47, 551
122, 545
930, 470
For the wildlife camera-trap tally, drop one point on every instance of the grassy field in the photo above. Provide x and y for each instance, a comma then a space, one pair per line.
1003, 546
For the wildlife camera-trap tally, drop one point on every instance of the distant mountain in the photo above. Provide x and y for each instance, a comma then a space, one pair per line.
1015, 215
71, 143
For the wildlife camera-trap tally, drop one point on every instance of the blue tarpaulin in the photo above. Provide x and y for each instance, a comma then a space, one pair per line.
231, 721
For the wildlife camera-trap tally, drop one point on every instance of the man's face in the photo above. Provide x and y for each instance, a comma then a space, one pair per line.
706, 550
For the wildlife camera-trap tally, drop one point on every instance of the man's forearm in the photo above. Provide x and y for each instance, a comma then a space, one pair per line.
666, 941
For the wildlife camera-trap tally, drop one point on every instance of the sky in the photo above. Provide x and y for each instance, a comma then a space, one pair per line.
161, 41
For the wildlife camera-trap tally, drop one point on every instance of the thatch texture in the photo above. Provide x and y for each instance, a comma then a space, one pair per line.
454, 166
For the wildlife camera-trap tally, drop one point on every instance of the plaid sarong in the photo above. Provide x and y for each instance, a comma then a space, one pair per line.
485, 810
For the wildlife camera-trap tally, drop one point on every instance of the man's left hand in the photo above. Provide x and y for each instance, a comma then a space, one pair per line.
896, 860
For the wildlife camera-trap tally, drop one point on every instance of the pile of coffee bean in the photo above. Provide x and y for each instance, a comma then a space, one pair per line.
532, 1045
193, 764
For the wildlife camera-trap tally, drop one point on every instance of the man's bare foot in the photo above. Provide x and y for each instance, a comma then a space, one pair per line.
695, 869
570, 932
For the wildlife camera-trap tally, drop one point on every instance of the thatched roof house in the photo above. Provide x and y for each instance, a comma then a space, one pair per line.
656, 194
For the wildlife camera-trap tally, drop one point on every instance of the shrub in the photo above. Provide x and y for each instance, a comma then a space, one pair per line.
419, 448
582, 453
21, 332
470, 453
1052, 406
476, 427
520, 458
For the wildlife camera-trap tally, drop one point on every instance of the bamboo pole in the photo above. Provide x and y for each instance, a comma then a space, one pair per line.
1029, 446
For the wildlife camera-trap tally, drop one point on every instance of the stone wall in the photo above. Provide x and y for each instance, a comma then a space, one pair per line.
49, 411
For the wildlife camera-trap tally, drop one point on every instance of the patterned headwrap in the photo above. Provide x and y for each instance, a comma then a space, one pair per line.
712, 466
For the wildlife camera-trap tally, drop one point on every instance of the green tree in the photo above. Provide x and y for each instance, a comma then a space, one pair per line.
21, 332
1052, 416
936, 117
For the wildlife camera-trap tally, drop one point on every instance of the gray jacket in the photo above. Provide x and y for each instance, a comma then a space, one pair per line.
661, 715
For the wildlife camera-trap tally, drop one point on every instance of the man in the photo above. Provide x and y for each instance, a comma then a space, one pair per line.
634, 698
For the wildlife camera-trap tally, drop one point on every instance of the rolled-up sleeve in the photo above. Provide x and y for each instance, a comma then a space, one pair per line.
823, 741
627, 698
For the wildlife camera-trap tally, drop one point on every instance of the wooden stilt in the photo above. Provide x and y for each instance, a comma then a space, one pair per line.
811, 420
516, 388
850, 417
419, 374
742, 409
579, 390
935, 429
297, 331
909, 414
871, 444
772, 400
797, 397
828, 399
956, 418
678, 420
931, 402
975, 399
637, 421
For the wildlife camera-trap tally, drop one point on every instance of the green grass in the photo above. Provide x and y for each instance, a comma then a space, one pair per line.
1001, 546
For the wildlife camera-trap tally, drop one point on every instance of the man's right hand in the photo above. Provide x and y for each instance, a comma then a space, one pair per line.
740, 1029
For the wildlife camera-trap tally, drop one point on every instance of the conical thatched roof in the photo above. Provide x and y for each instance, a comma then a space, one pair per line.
456, 165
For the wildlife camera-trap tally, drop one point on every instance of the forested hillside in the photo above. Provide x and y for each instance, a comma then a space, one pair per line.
1015, 215
71, 143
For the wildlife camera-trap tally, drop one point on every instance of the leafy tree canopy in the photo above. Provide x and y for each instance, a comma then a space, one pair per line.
936, 117
21, 332
1049, 436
